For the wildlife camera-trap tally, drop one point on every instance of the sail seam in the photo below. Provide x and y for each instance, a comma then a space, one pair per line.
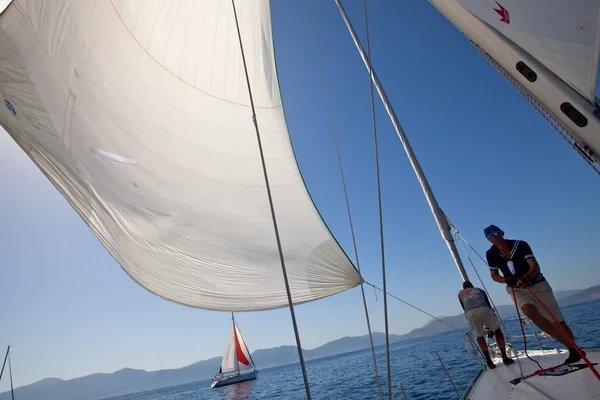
177, 77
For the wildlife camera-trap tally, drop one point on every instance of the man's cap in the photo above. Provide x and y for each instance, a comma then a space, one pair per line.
491, 228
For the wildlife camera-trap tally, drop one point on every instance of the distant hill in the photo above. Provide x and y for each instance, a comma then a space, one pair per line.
582, 296
127, 380
283, 355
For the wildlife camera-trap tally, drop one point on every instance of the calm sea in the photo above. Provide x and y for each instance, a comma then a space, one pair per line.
351, 376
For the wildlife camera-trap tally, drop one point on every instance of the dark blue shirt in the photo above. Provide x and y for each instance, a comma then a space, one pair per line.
517, 263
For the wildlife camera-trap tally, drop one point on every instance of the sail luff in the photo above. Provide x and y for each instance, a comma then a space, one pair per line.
438, 214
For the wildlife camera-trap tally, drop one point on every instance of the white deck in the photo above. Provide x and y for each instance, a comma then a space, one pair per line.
495, 384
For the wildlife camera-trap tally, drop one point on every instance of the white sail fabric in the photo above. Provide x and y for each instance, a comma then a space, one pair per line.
229, 362
564, 35
243, 354
138, 112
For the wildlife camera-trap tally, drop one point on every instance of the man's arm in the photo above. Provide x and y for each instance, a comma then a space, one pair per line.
493, 269
534, 268
496, 276
461, 303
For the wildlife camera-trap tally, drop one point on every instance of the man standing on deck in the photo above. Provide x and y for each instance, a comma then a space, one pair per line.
521, 273
478, 312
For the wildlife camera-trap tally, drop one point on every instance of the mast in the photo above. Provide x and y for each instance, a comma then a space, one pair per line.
7, 357
4, 363
12, 389
437, 212
573, 113
235, 341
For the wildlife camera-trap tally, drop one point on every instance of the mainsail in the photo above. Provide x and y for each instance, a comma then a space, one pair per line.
562, 35
138, 112
549, 51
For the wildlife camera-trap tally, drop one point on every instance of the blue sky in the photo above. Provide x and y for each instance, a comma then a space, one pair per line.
69, 310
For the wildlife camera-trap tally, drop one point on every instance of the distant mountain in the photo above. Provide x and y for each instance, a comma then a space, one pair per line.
349, 344
124, 381
563, 294
581, 296
267, 358
127, 380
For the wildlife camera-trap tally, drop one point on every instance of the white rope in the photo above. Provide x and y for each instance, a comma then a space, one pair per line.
272, 208
385, 310
339, 157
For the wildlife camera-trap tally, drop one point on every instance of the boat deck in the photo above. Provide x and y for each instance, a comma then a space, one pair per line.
566, 382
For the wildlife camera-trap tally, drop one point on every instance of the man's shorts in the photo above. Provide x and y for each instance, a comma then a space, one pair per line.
479, 316
544, 292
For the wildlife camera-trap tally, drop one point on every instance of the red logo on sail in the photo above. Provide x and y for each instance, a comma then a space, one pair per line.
503, 12
240, 354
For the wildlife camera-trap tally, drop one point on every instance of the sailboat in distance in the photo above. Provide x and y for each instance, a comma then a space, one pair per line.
237, 364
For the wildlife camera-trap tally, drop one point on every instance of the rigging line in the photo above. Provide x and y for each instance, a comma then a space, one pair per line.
272, 208
4, 363
339, 157
410, 305
385, 309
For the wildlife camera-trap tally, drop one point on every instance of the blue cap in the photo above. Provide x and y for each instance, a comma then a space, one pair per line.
491, 228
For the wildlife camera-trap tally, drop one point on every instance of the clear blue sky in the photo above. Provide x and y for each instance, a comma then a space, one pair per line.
69, 310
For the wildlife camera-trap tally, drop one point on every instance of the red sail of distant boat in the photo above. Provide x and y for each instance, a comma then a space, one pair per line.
240, 354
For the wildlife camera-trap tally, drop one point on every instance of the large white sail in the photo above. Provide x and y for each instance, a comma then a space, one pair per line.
138, 112
229, 362
563, 35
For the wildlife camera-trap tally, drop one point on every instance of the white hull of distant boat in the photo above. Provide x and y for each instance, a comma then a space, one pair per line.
234, 379
573, 381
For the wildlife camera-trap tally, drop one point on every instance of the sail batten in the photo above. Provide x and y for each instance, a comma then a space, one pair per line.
138, 111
